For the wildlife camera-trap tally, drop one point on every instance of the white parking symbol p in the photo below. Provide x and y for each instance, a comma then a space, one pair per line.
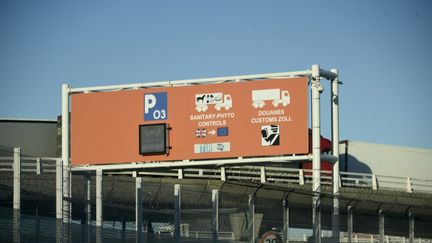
149, 102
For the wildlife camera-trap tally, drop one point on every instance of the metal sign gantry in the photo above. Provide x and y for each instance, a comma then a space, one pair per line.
315, 74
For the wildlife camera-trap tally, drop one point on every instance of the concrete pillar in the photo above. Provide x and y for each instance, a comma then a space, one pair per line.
285, 221
251, 223
99, 198
381, 225
87, 188
215, 215
59, 188
177, 211
17, 179
350, 223
138, 204
411, 227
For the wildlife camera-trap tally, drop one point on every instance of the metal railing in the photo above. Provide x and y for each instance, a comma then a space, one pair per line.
270, 175
36, 165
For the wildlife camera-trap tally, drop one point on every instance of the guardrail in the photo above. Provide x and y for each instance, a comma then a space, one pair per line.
36, 165
259, 174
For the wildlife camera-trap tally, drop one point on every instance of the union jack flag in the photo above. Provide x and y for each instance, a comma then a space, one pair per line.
201, 133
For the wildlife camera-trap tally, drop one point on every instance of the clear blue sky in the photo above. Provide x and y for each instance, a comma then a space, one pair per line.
383, 50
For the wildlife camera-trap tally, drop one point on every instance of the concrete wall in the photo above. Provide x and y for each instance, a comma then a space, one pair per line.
383, 159
35, 137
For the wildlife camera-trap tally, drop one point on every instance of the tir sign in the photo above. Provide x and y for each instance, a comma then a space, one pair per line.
155, 106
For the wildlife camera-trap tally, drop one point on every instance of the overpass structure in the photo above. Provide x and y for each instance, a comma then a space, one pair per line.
263, 197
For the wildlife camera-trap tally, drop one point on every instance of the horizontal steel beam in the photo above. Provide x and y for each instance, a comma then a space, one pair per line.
190, 81
182, 164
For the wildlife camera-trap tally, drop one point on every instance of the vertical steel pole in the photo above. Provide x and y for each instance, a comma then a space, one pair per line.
59, 188
16, 225
285, 220
138, 204
411, 227
177, 211
99, 198
381, 225
88, 198
99, 235
65, 153
252, 217
316, 154
38, 166
37, 226
335, 149
263, 175
17, 179
215, 215
17, 195
123, 233
59, 229
349, 223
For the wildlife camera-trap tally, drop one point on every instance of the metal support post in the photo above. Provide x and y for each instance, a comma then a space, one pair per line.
285, 221
123, 231
17, 179
88, 198
251, 203
263, 175
177, 211
223, 174
316, 154
59, 188
374, 182
409, 185
138, 204
215, 215
301, 177
16, 225
180, 174
381, 225
138, 208
335, 149
65, 154
349, 223
59, 229
99, 198
99, 235
37, 224
411, 227
38, 166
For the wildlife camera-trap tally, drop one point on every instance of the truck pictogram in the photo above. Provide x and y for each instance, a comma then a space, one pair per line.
277, 97
219, 100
